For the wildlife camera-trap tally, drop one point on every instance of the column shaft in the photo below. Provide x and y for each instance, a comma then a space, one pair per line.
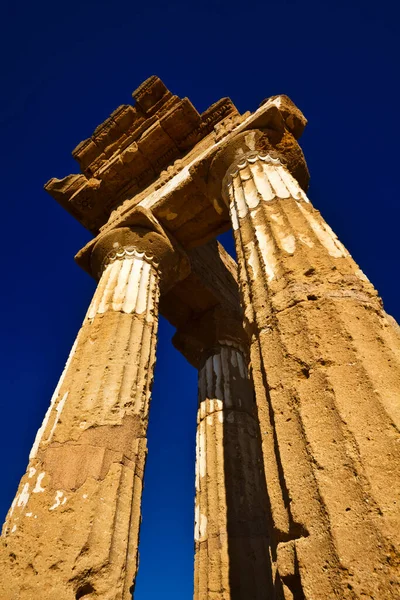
231, 543
326, 362
73, 528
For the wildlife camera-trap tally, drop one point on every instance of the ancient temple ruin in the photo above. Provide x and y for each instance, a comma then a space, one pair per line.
298, 453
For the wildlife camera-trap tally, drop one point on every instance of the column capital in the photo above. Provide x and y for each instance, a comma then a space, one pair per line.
130, 241
144, 239
200, 337
281, 146
273, 169
252, 157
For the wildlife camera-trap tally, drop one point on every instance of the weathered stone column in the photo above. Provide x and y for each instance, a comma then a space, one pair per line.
326, 363
73, 528
232, 559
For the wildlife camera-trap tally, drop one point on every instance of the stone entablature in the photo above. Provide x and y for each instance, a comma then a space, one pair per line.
162, 139
131, 149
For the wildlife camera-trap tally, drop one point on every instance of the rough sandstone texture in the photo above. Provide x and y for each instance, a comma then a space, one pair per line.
297, 493
134, 148
156, 155
231, 535
73, 528
231, 538
326, 364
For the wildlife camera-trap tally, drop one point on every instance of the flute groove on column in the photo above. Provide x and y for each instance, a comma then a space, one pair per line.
319, 334
231, 541
88, 459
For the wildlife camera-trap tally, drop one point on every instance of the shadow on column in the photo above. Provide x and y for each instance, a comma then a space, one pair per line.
286, 582
247, 501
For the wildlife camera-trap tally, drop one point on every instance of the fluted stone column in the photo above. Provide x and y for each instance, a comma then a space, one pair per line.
73, 528
326, 365
232, 559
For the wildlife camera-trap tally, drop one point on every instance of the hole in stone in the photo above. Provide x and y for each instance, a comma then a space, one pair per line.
312, 297
306, 372
84, 590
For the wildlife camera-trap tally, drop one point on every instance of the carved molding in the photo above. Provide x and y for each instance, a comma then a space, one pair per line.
262, 177
140, 148
129, 252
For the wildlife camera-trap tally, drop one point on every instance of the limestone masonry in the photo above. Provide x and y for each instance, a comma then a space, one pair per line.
298, 446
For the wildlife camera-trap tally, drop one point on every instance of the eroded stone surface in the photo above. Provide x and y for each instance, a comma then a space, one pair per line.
132, 148
326, 363
232, 546
231, 540
157, 153
73, 528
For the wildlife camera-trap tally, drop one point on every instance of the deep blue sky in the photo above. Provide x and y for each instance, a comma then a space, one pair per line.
66, 66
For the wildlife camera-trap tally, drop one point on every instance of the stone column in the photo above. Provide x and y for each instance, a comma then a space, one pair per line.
232, 559
326, 364
73, 528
